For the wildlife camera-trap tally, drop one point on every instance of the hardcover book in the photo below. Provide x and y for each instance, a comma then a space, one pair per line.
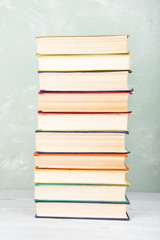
80, 160
80, 142
82, 121
106, 80
102, 176
76, 210
82, 44
83, 101
45, 192
63, 62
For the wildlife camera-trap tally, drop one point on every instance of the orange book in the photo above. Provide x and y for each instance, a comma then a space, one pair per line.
80, 161
88, 176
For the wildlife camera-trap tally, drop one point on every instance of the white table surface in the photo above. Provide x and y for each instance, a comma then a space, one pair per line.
17, 221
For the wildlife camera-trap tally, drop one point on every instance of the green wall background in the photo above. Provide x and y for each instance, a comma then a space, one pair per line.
21, 21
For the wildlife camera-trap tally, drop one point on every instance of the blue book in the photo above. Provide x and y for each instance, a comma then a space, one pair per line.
82, 210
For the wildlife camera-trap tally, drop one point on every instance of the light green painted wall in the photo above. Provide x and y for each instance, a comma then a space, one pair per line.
21, 21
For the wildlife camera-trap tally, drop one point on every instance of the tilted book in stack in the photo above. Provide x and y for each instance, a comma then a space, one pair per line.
80, 169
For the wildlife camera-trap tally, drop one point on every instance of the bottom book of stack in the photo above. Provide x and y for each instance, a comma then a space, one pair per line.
89, 192
82, 210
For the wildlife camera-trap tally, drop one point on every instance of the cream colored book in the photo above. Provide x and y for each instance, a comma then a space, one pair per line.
82, 44
80, 161
80, 192
84, 142
110, 176
82, 121
82, 210
84, 80
65, 62
83, 101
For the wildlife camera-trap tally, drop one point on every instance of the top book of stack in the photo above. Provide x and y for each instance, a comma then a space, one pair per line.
82, 44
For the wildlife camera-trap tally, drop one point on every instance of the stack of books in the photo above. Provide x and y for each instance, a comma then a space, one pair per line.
82, 123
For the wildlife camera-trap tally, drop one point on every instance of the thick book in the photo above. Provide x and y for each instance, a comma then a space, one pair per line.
83, 101
49, 62
84, 80
82, 121
80, 142
83, 210
53, 192
101, 176
80, 161
82, 44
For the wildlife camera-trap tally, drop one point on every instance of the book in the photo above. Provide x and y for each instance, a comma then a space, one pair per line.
76, 210
81, 192
83, 101
80, 160
84, 80
82, 121
82, 44
103, 176
78, 141
50, 62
